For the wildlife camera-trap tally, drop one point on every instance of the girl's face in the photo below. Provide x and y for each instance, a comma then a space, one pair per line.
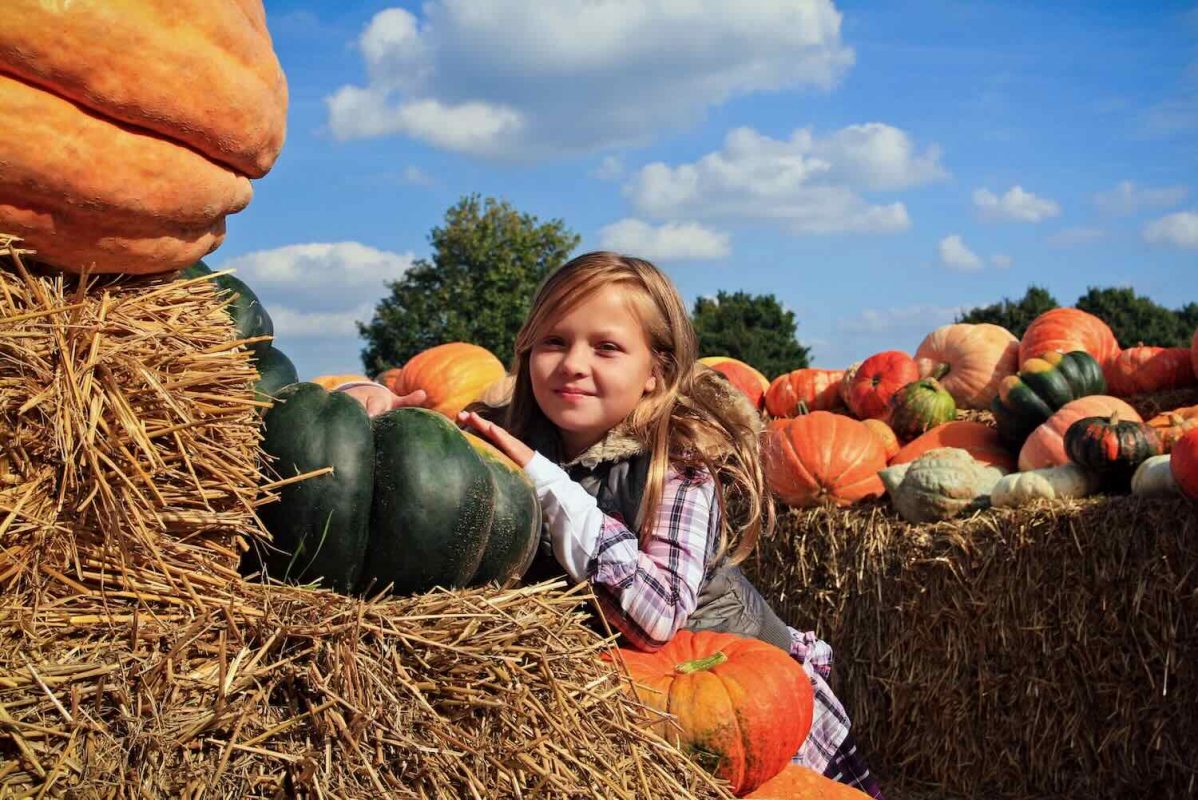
591, 367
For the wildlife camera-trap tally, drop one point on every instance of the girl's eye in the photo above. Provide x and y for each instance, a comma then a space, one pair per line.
551, 341
609, 347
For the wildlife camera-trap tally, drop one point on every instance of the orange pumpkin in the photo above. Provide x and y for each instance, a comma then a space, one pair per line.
822, 457
1183, 463
812, 389
454, 375
802, 783
1172, 425
331, 382
743, 707
1046, 446
885, 434
742, 376
389, 377
1194, 353
969, 360
1139, 370
868, 389
132, 129
979, 440
1065, 330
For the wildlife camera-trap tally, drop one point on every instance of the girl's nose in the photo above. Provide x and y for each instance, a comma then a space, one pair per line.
574, 362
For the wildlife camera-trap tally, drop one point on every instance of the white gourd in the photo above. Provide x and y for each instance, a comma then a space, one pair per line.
1154, 478
1064, 482
940, 484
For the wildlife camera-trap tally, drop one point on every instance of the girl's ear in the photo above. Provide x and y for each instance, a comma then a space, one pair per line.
650, 384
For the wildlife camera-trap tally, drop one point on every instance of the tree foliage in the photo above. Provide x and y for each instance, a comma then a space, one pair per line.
1016, 315
752, 328
487, 261
1135, 320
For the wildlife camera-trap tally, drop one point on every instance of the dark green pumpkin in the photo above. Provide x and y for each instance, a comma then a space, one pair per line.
1111, 447
1043, 385
430, 511
275, 371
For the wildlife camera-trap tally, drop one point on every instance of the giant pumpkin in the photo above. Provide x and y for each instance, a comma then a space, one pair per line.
969, 360
411, 502
743, 706
822, 457
1065, 330
1046, 445
454, 375
132, 129
978, 439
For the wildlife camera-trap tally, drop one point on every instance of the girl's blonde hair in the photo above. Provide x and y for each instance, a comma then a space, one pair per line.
681, 418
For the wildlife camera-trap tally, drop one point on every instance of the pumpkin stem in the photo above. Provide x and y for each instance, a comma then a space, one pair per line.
701, 664
801, 409
940, 370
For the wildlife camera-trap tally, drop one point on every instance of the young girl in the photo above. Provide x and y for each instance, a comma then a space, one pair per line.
641, 461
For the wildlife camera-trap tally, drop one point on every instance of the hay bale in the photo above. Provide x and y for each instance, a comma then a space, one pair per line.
1041, 652
134, 661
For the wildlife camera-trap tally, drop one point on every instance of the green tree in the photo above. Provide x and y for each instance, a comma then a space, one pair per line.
752, 328
1134, 319
487, 261
1016, 315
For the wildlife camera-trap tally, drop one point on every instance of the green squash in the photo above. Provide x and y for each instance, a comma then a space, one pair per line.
429, 511
275, 371
1043, 385
1111, 447
918, 407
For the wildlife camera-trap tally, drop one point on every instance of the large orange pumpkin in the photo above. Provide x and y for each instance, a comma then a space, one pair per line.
1046, 446
885, 434
1140, 370
1183, 463
743, 707
801, 783
1172, 425
1065, 330
979, 440
822, 457
131, 129
740, 375
969, 360
807, 388
870, 386
454, 375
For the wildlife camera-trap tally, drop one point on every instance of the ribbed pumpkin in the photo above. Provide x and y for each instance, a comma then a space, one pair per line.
795, 782
1183, 463
1140, 370
1064, 330
743, 707
822, 457
1043, 385
742, 376
1046, 446
806, 389
976, 438
1172, 425
868, 389
885, 434
454, 375
1111, 447
130, 128
969, 360
331, 382
918, 407
411, 501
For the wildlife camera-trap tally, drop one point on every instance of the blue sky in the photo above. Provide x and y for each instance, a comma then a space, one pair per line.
876, 166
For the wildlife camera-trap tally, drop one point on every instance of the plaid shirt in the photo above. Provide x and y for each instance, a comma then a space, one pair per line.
648, 594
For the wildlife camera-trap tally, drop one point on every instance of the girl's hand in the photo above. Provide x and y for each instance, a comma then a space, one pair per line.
380, 399
509, 445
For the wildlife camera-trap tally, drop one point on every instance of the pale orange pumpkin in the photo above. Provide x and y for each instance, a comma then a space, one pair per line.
1067, 329
743, 706
979, 440
331, 382
1172, 425
132, 129
1141, 370
1046, 446
822, 457
454, 375
795, 782
885, 434
744, 377
803, 390
969, 360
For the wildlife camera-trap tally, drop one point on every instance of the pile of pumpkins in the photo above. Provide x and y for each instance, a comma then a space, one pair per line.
1062, 429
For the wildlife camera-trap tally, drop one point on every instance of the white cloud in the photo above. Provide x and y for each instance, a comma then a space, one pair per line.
1127, 198
611, 168
291, 323
955, 255
668, 242
1072, 237
1001, 261
803, 184
509, 78
416, 176
1179, 230
905, 319
1016, 205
